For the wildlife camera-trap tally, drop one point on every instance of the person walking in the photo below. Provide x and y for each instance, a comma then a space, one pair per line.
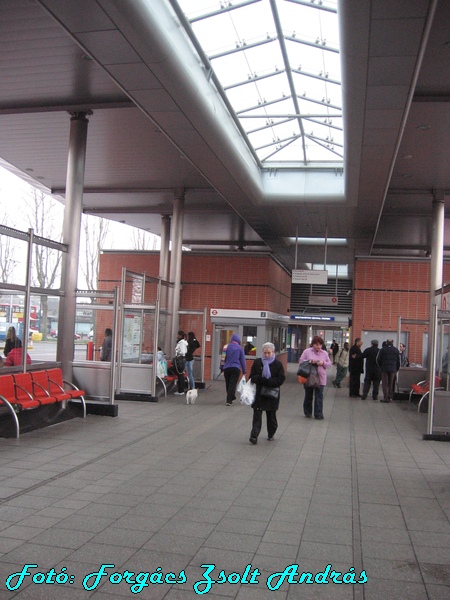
180, 350
341, 365
233, 365
334, 348
319, 357
389, 362
268, 375
192, 345
11, 341
373, 373
355, 367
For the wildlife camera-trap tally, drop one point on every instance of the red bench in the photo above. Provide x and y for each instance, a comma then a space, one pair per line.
34, 400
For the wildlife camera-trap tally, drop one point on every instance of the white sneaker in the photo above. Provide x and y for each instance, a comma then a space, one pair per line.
178, 393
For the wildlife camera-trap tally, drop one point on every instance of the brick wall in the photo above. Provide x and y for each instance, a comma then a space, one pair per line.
385, 290
240, 281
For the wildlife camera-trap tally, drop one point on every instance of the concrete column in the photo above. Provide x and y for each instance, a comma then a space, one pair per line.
175, 262
437, 262
164, 256
165, 333
71, 236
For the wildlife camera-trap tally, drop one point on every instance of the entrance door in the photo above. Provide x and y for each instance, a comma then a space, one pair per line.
222, 337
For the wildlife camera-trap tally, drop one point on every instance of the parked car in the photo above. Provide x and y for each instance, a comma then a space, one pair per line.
54, 334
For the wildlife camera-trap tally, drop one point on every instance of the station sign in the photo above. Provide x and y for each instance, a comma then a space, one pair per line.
311, 318
310, 276
323, 301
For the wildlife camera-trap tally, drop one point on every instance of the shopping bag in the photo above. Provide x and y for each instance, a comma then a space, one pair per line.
248, 393
241, 384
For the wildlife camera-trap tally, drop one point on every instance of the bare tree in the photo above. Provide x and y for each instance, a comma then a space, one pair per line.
7, 254
45, 216
95, 230
141, 240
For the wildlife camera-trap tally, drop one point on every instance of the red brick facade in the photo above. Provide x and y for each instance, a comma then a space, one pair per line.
385, 290
240, 281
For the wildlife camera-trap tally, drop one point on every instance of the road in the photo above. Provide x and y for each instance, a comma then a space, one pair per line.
47, 350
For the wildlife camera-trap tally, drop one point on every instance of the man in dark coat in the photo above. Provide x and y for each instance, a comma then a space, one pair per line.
389, 362
373, 373
355, 368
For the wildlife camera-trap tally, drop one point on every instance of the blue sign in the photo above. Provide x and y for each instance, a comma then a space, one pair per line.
311, 318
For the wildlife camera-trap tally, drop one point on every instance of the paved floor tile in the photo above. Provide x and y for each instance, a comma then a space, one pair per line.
177, 487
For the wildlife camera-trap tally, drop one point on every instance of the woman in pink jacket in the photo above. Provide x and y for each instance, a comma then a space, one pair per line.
316, 356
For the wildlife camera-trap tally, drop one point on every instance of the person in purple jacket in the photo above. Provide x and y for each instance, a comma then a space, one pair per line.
232, 367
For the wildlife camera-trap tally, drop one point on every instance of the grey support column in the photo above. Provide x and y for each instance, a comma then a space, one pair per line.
71, 236
164, 257
175, 261
164, 275
437, 262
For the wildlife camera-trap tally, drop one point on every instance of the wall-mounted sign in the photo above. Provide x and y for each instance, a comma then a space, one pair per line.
246, 314
323, 301
311, 318
309, 276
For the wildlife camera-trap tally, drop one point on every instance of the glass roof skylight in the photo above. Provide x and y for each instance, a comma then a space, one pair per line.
277, 62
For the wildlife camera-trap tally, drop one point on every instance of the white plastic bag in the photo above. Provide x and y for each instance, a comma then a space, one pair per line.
161, 368
248, 393
240, 385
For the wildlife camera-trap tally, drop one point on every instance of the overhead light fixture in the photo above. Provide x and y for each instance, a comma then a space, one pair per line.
407, 156
316, 241
423, 127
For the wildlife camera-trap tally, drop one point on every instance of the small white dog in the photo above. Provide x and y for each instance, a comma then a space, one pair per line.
191, 396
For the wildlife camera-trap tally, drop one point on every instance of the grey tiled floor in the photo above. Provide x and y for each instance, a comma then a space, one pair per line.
167, 487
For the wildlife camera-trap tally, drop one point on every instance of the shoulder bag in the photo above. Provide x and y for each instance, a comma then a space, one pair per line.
304, 368
270, 393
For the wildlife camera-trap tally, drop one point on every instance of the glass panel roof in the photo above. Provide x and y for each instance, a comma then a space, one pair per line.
277, 62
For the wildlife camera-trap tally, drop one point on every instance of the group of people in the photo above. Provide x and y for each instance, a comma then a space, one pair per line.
13, 350
382, 365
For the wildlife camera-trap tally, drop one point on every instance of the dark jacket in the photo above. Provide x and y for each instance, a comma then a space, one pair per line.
370, 355
277, 379
389, 359
105, 353
9, 345
192, 347
355, 360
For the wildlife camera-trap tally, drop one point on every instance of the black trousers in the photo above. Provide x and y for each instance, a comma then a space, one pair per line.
272, 423
231, 376
354, 384
374, 379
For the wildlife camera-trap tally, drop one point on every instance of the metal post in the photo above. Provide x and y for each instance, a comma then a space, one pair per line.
175, 262
114, 362
26, 308
433, 321
437, 259
76, 161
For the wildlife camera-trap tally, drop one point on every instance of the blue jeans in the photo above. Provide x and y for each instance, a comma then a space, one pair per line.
190, 373
308, 401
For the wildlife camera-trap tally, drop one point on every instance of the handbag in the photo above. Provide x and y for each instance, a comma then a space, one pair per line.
270, 393
248, 393
313, 379
304, 368
179, 362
